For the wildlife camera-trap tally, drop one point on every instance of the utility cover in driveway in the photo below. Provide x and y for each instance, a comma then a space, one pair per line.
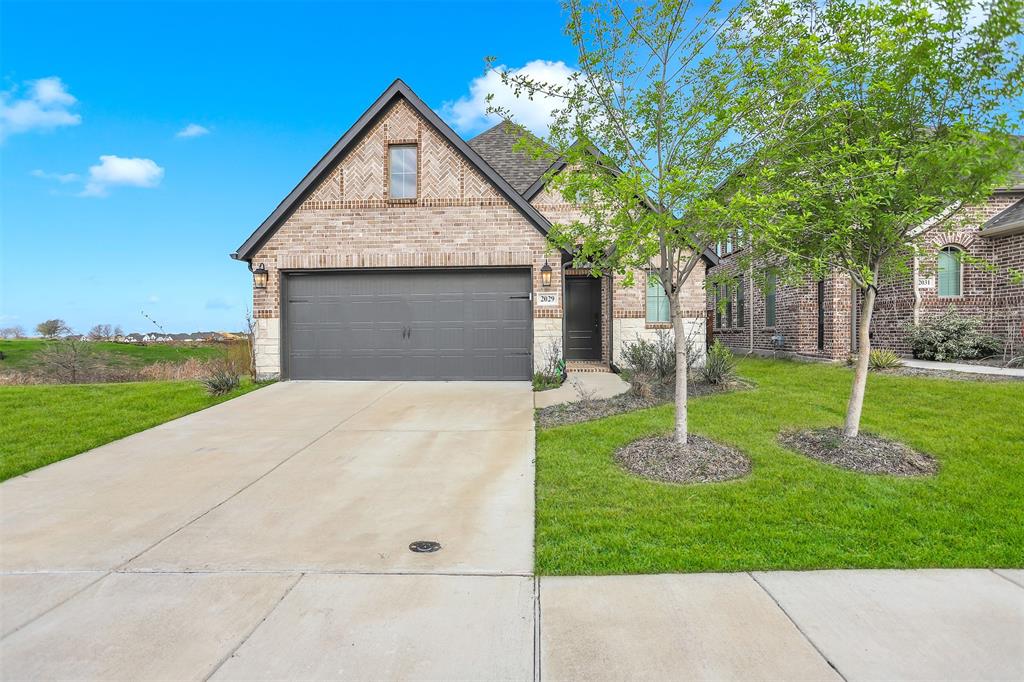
419, 325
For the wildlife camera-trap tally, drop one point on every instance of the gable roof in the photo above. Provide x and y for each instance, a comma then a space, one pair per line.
1005, 223
496, 146
398, 89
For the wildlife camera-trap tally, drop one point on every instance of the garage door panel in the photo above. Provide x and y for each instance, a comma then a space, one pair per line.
441, 324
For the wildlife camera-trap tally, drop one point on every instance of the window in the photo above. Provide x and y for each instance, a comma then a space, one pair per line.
718, 307
950, 271
402, 168
769, 300
728, 244
657, 300
728, 306
740, 312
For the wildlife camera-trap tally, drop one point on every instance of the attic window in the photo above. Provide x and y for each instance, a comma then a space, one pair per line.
402, 171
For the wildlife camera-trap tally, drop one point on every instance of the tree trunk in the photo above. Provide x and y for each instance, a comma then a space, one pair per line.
680, 341
860, 375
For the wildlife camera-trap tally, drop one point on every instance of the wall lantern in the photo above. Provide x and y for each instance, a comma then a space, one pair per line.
259, 277
545, 274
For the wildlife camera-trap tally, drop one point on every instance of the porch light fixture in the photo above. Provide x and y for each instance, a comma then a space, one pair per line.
260, 276
545, 274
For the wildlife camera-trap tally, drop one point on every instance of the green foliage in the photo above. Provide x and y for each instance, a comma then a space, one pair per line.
45, 424
543, 382
882, 359
222, 379
720, 365
951, 336
650, 359
23, 353
792, 513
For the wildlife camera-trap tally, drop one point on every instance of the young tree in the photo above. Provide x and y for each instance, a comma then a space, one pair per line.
53, 328
905, 122
648, 130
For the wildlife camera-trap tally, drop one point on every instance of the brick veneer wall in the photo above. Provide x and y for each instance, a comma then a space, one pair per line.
457, 220
988, 296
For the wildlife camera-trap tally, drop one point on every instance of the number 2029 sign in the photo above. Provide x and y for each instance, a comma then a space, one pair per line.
547, 299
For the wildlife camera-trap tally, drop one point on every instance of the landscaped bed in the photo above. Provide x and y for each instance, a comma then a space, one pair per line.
44, 424
791, 511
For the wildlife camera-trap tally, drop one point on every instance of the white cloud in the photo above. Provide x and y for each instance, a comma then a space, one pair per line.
193, 130
44, 107
468, 114
62, 178
115, 170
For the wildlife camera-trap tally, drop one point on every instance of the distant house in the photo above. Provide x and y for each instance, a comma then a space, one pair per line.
818, 319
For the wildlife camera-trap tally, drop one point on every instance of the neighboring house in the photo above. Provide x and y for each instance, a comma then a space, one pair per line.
409, 253
818, 319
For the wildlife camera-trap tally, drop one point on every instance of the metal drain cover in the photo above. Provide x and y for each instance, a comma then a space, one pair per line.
421, 546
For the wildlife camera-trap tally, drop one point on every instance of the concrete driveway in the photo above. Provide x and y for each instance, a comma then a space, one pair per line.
267, 538
159, 555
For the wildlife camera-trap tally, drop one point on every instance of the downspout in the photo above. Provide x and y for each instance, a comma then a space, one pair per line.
750, 313
917, 290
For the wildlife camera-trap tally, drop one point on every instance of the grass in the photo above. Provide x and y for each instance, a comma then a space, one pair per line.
20, 353
44, 424
793, 512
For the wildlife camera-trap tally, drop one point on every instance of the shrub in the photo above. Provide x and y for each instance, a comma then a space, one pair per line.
952, 336
542, 382
552, 367
884, 359
651, 358
720, 366
221, 379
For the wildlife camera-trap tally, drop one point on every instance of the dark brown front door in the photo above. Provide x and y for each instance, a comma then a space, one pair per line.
583, 318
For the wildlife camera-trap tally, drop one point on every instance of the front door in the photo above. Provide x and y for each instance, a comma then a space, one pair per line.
583, 318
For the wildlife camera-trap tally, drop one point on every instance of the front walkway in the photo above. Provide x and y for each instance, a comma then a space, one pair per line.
580, 386
964, 367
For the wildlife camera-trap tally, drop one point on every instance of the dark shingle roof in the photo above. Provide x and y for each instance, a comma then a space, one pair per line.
518, 169
1005, 223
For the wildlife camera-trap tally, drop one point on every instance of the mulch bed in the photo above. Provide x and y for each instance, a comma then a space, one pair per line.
867, 453
588, 410
701, 460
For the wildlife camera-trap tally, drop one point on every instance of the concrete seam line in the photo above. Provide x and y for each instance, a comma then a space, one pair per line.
245, 638
1000, 575
293, 571
797, 626
536, 629
62, 602
252, 482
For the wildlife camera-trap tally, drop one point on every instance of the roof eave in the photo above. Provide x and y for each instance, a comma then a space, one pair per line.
396, 89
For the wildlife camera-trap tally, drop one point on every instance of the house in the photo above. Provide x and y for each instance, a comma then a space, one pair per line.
818, 318
410, 253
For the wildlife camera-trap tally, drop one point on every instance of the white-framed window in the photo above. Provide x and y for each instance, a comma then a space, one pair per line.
402, 171
951, 271
657, 300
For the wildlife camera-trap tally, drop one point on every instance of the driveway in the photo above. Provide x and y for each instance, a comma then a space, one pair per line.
267, 538
160, 555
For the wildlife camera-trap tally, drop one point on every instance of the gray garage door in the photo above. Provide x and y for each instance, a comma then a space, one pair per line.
424, 324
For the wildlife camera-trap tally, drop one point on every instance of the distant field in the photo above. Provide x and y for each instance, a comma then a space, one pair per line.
20, 353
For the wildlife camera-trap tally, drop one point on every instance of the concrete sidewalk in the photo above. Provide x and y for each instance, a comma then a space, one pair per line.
594, 385
821, 625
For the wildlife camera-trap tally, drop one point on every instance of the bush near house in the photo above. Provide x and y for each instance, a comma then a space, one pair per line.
952, 336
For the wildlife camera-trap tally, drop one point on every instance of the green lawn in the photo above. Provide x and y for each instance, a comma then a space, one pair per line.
44, 424
20, 353
792, 512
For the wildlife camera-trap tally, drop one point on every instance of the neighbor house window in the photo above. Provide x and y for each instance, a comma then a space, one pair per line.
718, 307
728, 306
740, 307
402, 170
657, 300
769, 300
950, 271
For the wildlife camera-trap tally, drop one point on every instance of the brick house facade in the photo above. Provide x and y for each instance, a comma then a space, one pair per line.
818, 319
469, 214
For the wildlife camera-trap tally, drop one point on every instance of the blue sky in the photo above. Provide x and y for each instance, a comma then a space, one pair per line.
106, 211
